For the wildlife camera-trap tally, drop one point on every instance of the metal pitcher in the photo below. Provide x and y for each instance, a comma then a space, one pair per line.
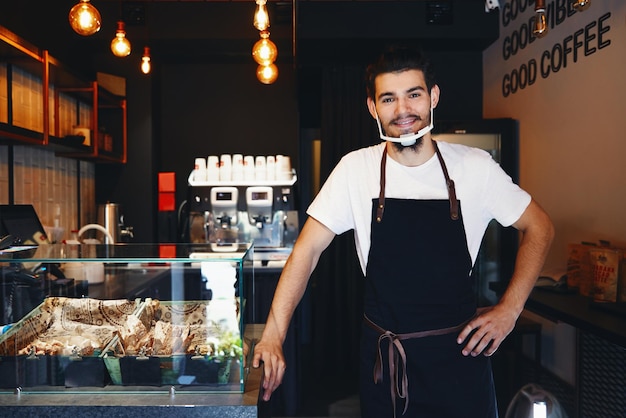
111, 218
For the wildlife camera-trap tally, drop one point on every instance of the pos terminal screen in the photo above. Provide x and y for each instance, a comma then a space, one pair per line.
22, 222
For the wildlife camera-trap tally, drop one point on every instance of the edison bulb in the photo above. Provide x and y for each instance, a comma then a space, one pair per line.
85, 18
267, 74
120, 46
540, 24
145, 61
261, 17
264, 51
581, 5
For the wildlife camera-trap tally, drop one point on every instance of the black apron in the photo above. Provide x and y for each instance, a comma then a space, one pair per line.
418, 280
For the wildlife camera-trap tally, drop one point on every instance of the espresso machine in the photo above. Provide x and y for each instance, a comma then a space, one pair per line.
221, 222
225, 214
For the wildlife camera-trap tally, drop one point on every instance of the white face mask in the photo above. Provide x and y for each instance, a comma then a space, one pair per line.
407, 139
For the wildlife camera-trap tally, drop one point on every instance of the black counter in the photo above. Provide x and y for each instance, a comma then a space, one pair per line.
605, 320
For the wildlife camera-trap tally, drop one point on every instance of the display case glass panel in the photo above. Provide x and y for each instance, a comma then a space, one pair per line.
125, 317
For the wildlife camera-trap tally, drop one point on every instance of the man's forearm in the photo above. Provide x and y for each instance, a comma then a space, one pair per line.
289, 292
531, 255
313, 240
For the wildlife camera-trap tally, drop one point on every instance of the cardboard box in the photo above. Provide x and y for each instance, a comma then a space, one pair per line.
605, 263
579, 267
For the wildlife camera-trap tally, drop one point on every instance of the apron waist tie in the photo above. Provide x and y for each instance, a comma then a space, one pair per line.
397, 358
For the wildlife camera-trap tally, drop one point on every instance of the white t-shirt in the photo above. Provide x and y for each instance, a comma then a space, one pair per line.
485, 191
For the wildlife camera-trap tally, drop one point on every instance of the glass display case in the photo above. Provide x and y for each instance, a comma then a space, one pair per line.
125, 317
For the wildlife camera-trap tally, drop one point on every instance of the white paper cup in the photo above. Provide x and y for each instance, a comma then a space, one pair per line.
270, 170
284, 175
237, 175
237, 170
200, 164
200, 175
283, 163
94, 272
213, 168
74, 271
237, 161
226, 167
248, 168
260, 168
199, 169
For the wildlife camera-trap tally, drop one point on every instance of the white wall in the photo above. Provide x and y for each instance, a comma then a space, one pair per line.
572, 131
572, 122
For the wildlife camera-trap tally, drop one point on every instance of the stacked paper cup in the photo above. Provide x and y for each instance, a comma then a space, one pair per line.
238, 167
237, 170
213, 168
283, 167
248, 168
199, 169
270, 162
260, 168
226, 167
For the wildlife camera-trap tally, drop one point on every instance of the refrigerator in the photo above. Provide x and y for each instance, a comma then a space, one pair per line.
496, 258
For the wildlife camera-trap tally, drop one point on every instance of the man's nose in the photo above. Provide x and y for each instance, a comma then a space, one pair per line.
403, 106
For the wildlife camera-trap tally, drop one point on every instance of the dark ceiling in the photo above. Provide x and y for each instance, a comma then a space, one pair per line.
222, 30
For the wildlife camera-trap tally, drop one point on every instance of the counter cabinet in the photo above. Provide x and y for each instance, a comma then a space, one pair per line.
162, 320
600, 352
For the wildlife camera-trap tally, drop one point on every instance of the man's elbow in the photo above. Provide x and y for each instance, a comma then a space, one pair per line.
542, 227
549, 231
537, 223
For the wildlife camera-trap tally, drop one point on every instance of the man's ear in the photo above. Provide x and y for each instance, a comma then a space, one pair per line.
371, 106
434, 96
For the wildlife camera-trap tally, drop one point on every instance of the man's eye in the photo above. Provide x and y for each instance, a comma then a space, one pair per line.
414, 95
387, 100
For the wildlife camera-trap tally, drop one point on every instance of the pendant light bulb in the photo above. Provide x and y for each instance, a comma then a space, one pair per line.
267, 74
85, 18
264, 51
540, 23
120, 45
581, 5
145, 61
261, 17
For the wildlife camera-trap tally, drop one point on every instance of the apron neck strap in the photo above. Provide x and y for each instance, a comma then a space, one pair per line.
454, 203
381, 194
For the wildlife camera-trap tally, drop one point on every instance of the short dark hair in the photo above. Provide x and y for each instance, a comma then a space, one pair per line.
399, 58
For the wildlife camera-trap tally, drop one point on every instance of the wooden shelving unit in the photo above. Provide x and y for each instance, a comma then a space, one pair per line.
107, 123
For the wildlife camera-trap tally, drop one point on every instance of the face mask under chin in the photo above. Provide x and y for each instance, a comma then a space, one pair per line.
406, 140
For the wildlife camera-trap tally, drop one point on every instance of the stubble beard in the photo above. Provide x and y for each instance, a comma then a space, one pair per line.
414, 147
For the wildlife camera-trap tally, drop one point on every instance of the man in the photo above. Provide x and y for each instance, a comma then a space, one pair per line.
419, 211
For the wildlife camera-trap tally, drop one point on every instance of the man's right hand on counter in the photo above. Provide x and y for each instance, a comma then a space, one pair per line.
269, 355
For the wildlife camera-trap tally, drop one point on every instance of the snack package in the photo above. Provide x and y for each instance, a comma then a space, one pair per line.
605, 264
579, 267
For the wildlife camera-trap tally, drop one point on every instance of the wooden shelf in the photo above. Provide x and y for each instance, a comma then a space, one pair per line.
107, 109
